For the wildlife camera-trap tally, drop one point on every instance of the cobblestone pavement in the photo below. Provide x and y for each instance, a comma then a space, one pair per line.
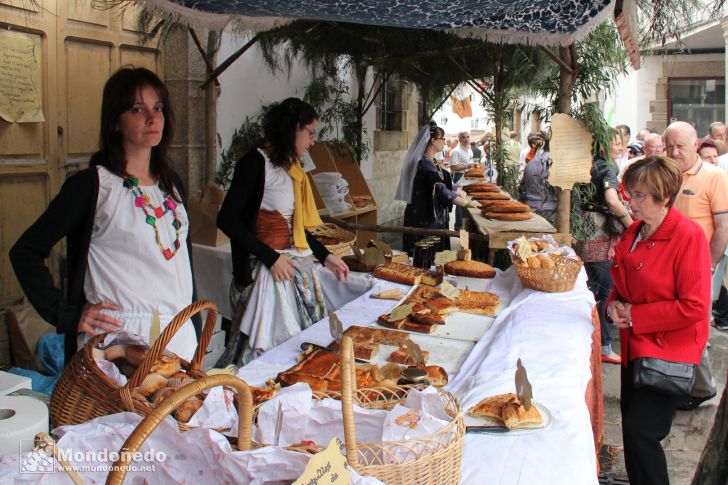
690, 429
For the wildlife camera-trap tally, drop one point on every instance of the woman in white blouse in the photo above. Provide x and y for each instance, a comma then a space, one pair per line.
125, 224
275, 292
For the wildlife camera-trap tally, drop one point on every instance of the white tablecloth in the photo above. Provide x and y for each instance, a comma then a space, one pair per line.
214, 272
551, 333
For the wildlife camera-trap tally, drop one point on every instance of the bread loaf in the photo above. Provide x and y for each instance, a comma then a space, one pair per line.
187, 409
356, 264
507, 206
436, 375
481, 187
152, 383
166, 365
508, 216
515, 415
135, 354
406, 274
482, 196
472, 269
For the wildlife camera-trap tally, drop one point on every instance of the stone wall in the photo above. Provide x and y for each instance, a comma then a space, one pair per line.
389, 151
184, 73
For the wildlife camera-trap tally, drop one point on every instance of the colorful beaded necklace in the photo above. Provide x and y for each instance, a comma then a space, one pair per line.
143, 201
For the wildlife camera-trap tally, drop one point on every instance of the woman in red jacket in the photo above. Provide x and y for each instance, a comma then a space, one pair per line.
660, 302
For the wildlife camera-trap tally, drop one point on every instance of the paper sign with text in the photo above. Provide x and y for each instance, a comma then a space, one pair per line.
570, 150
327, 467
21, 77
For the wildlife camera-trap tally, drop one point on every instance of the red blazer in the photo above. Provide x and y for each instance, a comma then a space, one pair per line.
667, 280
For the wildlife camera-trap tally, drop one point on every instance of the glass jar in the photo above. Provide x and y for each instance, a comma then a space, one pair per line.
413, 376
419, 254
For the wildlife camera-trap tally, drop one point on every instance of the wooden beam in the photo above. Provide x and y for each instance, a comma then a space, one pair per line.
222, 67
449, 93
556, 59
374, 96
400, 229
202, 52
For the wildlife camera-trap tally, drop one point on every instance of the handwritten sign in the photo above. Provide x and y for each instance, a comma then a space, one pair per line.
444, 257
464, 239
20, 77
400, 312
327, 467
449, 291
570, 151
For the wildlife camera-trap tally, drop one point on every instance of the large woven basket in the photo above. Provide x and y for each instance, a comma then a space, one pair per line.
559, 279
433, 459
85, 392
166, 407
332, 230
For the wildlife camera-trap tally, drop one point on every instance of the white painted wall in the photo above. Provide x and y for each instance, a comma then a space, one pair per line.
248, 84
630, 102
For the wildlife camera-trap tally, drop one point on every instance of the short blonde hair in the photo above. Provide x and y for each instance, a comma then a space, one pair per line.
660, 175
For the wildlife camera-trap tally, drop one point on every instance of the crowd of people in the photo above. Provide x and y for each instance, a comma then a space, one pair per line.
655, 251
654, 241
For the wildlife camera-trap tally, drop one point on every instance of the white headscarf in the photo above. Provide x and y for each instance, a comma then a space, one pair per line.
409, 166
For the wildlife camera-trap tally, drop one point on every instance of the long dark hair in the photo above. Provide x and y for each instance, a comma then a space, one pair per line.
280, 126
120, 93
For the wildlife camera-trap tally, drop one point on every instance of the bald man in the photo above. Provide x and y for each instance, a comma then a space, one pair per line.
703, 197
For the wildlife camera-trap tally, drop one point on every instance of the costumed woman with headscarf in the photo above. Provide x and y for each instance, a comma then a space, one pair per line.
275, 292
427, 188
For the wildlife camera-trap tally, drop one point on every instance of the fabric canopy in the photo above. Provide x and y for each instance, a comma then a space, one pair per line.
512, 21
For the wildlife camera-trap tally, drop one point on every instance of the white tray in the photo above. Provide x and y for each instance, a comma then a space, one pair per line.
459, 325
447, 353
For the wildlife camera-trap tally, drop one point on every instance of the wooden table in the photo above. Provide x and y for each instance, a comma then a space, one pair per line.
500, 232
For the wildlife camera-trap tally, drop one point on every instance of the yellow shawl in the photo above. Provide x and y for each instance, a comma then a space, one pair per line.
305, 213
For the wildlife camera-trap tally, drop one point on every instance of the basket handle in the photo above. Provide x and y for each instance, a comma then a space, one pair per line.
169, 331
147, 426
348, 390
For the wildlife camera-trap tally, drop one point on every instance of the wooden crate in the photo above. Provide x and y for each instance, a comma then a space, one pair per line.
339, 158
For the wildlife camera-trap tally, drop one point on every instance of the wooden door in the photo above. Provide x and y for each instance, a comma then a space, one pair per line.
76, 47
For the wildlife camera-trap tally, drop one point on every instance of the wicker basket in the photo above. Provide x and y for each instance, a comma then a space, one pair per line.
430, 459
84, 392
165, 408
332, 230
552, 280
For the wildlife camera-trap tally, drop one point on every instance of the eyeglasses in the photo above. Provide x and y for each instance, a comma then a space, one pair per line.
311, 133
441, 138
637, 196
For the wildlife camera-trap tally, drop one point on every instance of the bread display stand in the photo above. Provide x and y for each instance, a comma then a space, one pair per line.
330, 157
500, 232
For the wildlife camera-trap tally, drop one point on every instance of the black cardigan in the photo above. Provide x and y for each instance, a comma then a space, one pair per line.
239, 214
70, 214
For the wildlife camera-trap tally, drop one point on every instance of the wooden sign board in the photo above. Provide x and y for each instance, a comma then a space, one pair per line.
570, 150
328, 467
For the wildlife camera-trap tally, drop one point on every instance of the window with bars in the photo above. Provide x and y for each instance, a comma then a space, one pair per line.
697, 100
389, 107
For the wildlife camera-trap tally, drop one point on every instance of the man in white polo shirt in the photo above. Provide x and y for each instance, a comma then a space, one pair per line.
461, 159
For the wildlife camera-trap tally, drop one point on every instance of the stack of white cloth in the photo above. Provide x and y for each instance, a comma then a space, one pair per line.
333, 189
